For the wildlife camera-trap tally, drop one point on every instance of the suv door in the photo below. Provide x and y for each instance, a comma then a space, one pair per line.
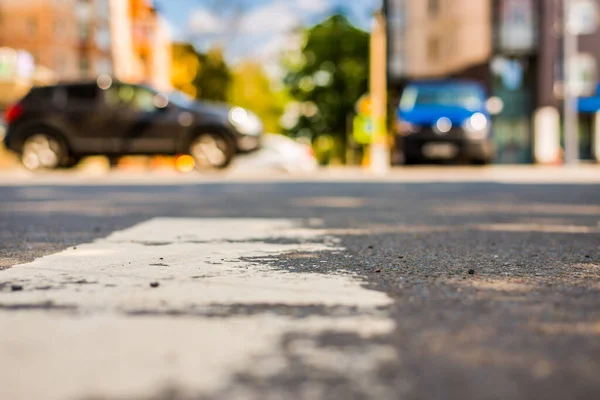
85, 116
142, 127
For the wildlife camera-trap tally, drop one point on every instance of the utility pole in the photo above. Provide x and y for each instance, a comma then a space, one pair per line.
380, 156
571, 125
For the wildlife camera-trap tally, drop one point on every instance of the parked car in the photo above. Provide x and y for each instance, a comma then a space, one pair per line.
445, 120
279, 153
55, 126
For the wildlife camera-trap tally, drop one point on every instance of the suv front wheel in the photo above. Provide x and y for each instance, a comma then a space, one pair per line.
211, 150
42, 151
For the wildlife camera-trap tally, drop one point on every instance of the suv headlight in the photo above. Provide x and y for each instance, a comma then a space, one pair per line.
477, 126
246, 122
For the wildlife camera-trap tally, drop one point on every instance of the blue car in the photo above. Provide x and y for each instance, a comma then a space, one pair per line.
445, 120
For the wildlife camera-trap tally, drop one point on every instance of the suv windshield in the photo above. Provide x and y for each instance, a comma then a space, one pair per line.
458, 96
180, 99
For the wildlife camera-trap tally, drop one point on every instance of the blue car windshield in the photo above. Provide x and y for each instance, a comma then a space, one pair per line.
453, 96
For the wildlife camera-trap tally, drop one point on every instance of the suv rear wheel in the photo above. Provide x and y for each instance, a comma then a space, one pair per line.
211, 150
42, 151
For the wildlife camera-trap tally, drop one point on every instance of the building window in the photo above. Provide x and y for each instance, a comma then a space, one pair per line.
59, 64
32, 25
103, 38
103, 66
433, 49
83, 10
59, 29
84, 66
84, 30
433, 7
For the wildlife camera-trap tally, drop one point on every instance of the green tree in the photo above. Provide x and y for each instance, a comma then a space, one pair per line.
251, 88
185, 68
214, 78
201, 75
328, 77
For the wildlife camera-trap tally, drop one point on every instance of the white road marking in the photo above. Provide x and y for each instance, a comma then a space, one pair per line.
95, 347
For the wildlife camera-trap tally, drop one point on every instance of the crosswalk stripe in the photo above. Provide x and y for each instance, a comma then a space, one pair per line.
173, 302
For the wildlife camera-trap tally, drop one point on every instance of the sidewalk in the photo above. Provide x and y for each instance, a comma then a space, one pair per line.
96, 174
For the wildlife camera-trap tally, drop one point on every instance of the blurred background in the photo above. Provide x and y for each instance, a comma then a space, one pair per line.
305, 67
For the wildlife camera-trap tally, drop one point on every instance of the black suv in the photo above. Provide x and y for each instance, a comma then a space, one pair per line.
55, 126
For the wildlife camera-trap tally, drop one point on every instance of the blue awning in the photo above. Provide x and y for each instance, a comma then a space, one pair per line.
589, 104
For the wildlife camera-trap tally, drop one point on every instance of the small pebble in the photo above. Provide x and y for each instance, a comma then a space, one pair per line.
471, 272
16, 288
154, 284
370, 247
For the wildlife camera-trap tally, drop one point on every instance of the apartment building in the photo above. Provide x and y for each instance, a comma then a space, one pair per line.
433, 38
151, 44
48, 30
141, 43
514, 47
82, 39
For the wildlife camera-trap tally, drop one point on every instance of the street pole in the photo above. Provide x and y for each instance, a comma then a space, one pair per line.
380, 157
570, 100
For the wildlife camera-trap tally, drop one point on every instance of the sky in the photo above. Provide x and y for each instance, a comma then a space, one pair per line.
254, 28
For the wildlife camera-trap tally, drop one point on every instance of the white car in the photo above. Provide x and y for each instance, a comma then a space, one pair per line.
281, 153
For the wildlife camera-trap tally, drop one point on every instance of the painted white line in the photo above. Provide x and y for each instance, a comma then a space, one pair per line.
98, 349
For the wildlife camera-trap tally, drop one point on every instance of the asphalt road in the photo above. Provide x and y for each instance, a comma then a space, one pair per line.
492, 279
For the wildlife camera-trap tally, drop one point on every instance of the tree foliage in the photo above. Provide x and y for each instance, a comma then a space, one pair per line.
331, 73
185, 67
252, 88
201, 75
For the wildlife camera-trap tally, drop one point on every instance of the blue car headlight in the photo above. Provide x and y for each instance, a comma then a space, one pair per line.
477, 126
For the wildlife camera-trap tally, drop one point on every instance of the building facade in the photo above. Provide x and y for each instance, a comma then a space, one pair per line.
82, 39
436, 38
48, 30
514, 47
141, 43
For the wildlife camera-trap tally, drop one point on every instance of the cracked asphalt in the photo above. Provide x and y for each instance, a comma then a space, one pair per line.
495, 286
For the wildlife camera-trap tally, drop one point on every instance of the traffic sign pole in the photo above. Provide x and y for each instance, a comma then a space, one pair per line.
570, 101
379, 157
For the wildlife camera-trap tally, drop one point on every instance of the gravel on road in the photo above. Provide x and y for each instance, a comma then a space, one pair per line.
495, 285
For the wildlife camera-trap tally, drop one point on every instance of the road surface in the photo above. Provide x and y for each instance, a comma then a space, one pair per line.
425, 284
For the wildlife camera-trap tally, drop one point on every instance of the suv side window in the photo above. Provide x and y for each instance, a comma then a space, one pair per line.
79, 93
45, 97
135, 98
